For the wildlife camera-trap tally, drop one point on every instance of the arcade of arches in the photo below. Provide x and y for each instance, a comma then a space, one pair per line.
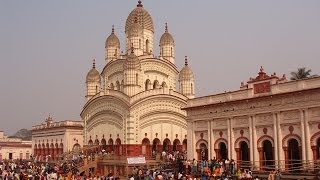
271, 122
146, 148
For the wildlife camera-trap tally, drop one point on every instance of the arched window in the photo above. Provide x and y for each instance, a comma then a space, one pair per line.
118, 85
148, 82
171, 52
147, 45
112, 86
191, 88
156, 84
139, 43
137, 79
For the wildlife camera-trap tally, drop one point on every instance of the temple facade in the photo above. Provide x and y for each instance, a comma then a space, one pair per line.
50, 140
269, 122
133, 105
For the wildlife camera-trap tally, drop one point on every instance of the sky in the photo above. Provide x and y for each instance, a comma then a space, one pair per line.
47, 47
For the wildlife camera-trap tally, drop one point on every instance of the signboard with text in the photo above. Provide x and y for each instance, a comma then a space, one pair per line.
136, 160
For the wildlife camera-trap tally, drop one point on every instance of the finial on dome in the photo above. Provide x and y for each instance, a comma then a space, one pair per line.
139, 4
166, 28
261, 69
94, 63
186, 61
112, 32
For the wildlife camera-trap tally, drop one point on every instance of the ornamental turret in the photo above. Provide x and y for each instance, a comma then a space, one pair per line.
186, 81
167, 46
112, 47
93, 82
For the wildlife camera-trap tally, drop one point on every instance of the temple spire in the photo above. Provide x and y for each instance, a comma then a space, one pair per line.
112, 32
186, 61
166, 28
139, 4
94, 63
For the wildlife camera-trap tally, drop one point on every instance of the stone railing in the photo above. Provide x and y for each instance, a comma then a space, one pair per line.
58, 124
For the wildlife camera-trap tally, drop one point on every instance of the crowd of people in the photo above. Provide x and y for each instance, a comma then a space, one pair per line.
173, 165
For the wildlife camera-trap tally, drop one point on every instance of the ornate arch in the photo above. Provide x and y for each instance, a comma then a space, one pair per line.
35, 146
200, 142
156, 141
148, 82
103, 141
262, 139
176, 142
290, 136
239, 139
167, 141
314, 138
118, 141
110, 141
156, 84
90, 142
218, 141
145, 141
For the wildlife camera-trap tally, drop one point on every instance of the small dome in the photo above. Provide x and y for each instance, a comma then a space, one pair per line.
93, 75
166, 38
144, 18
112, 40
132, 62
186, 72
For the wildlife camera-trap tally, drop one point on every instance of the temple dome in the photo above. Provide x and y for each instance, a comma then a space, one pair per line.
186, 72
93, 75
143, 17
166, 38
132, 61
113, 40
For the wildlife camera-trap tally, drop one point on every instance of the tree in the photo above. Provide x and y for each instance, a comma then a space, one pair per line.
301, 73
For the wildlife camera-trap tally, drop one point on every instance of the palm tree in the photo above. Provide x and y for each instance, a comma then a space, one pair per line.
301, 73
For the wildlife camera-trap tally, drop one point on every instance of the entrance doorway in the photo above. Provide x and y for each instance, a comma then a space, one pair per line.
202, 152
223, 151
10, 155
244, 154
294, 155
268, 160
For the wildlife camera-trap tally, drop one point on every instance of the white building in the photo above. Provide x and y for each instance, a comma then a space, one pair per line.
14, 148
270, 122
55, 138
134, 100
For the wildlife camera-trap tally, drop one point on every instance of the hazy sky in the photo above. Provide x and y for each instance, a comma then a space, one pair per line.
47, 47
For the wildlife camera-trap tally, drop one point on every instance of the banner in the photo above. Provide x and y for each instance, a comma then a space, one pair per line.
136, 160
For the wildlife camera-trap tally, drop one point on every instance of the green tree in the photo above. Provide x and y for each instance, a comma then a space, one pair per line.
301, 73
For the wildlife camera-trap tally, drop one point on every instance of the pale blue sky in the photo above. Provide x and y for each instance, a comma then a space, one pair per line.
47, 47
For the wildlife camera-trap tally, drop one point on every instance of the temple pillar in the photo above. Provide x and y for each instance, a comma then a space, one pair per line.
251, 142
303, 139
275, 139
209, 140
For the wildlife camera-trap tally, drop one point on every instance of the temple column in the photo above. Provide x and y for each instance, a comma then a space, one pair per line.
279, 137
229, 138
209, 140
233, 154
254, 143
275, 139
303, 138
251, 140
213, 154
307, 136
191, 146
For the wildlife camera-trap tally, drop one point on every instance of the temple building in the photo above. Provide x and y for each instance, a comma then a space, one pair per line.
52, 139
14, 148
133, 105
269, 122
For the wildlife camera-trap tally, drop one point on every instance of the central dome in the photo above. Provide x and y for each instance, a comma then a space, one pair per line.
143, 17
